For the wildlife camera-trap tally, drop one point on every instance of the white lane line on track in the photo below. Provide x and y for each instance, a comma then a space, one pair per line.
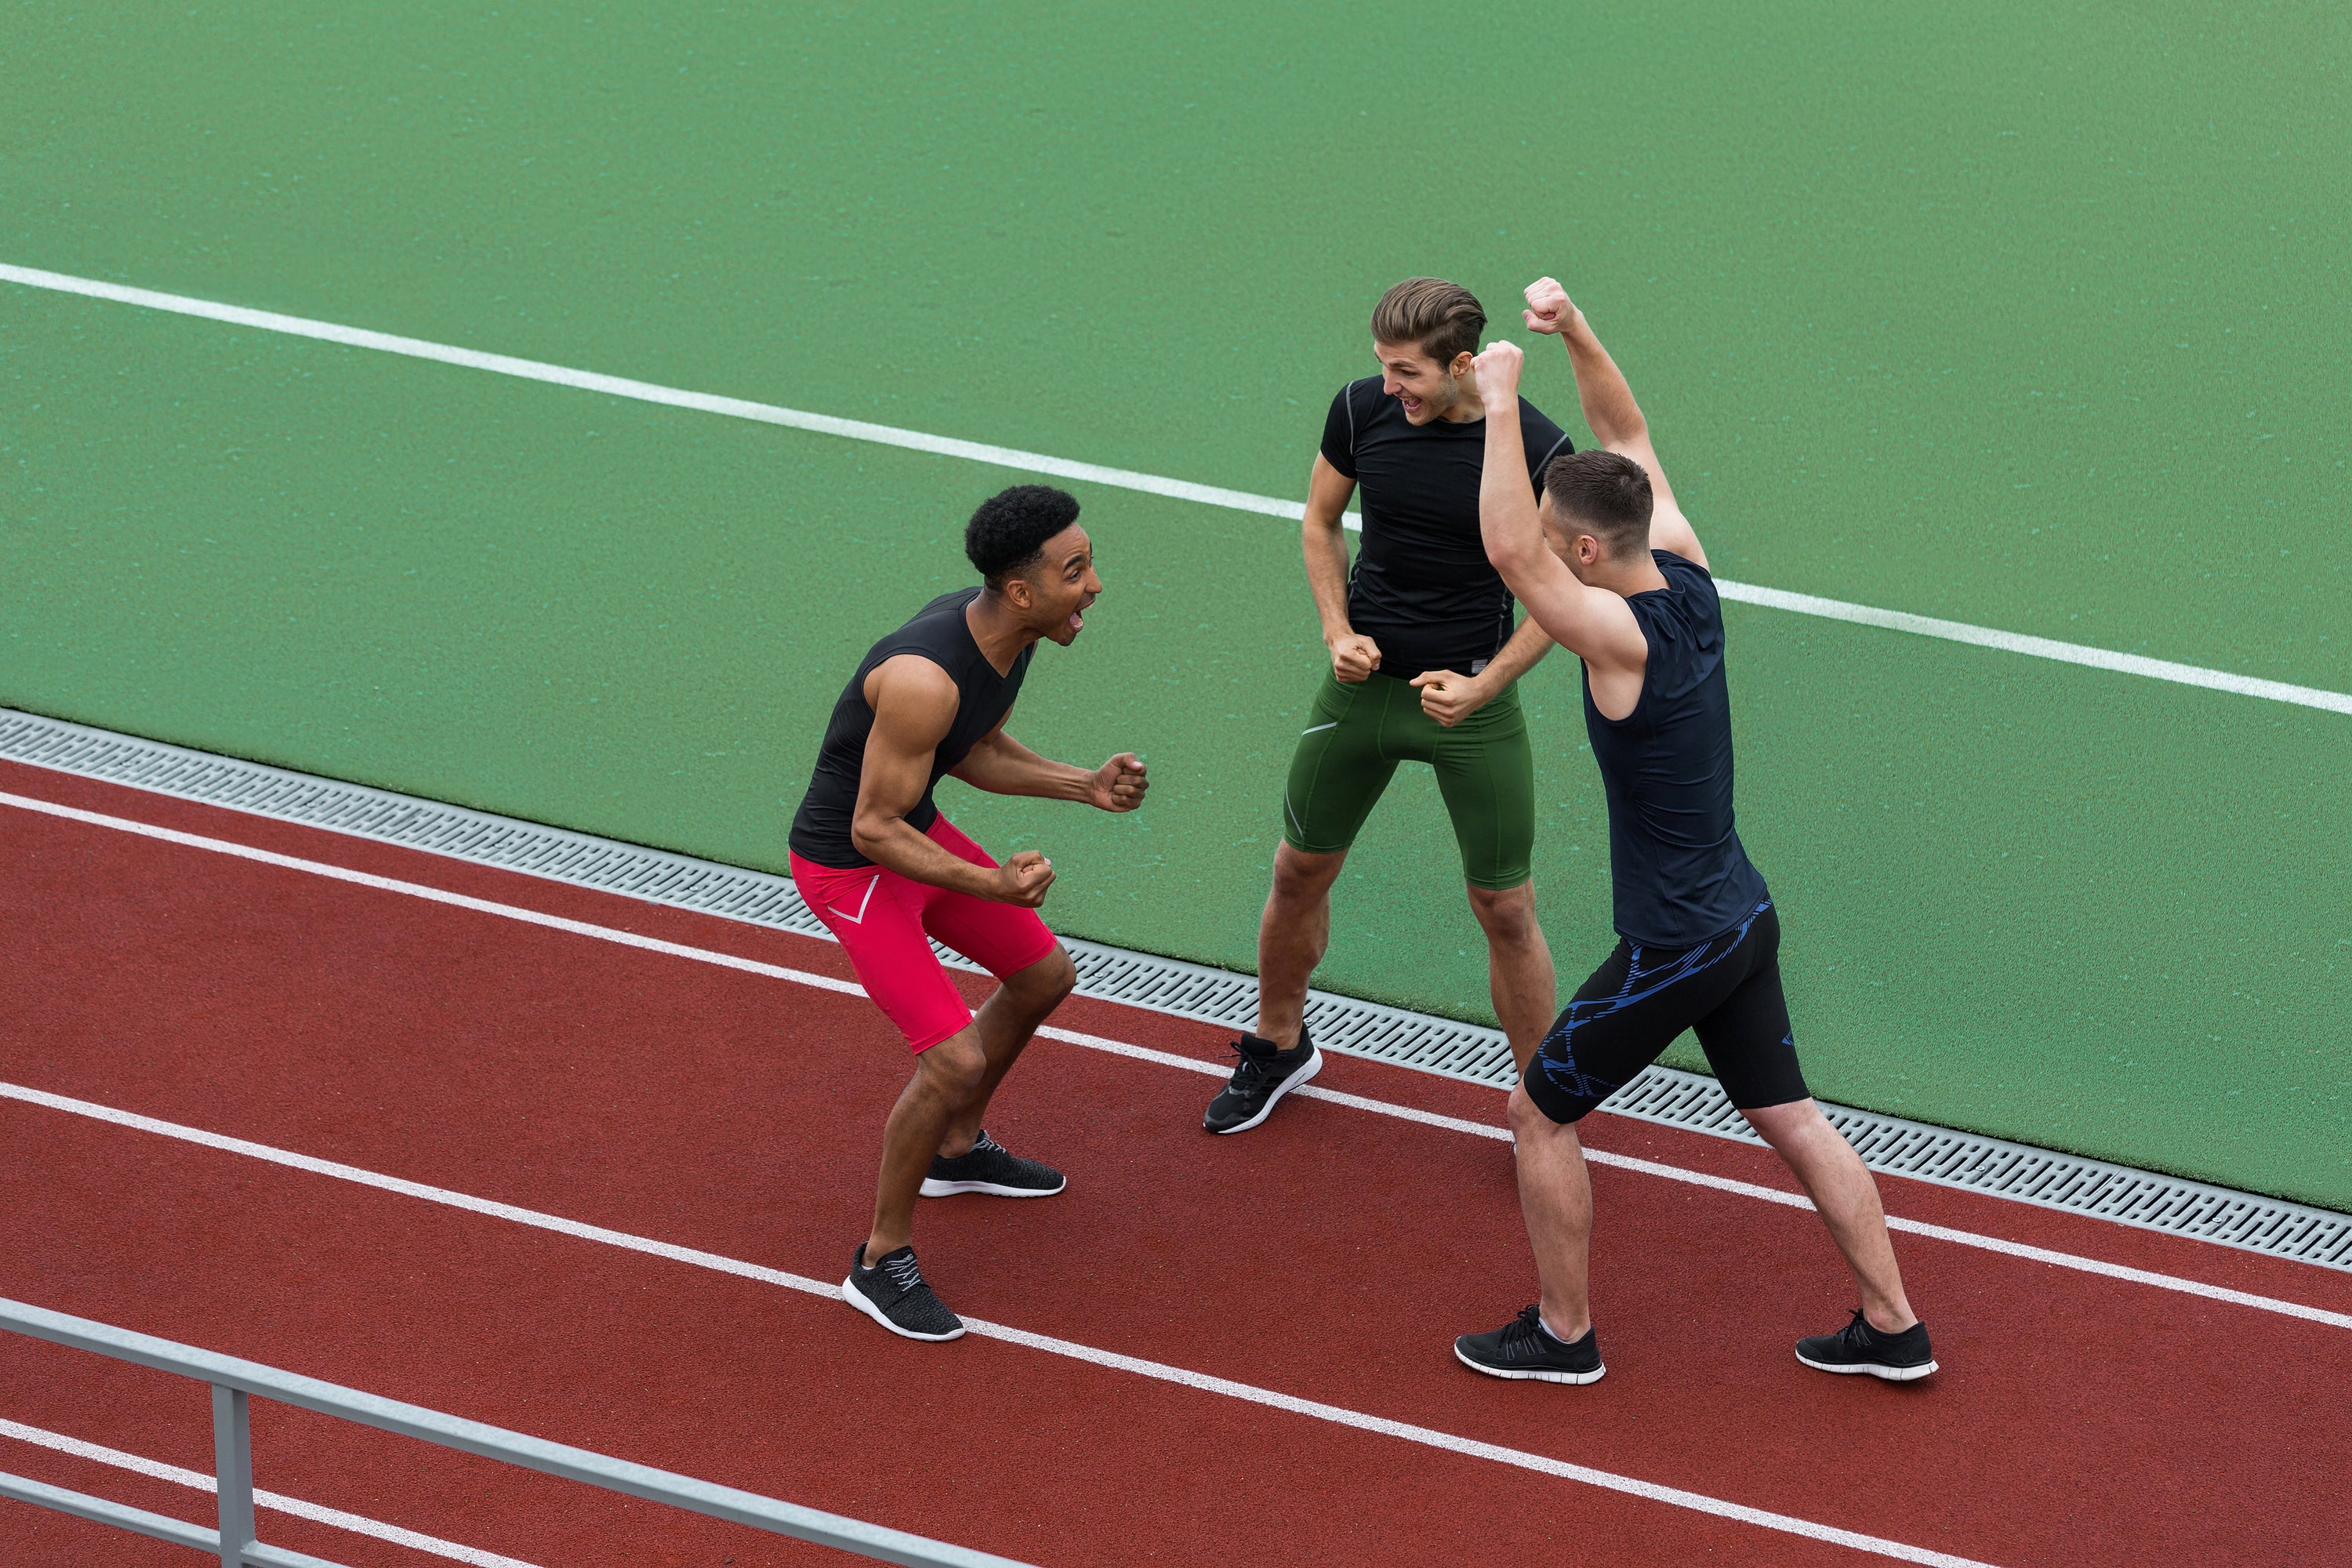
1753, 1190
357, 1524
1121, 479
1168, 1058
1675, 1497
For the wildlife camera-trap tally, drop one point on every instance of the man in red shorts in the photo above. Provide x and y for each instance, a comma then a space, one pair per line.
884, 871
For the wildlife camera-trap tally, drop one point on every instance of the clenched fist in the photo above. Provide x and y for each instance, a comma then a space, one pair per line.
1549, 310
1119, 784
1024, 879
1449, 698
1498, 372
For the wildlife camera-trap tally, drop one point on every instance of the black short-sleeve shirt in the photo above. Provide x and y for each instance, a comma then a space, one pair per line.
1423, 587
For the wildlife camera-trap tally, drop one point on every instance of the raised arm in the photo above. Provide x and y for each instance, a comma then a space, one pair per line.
914, 703
1592, 622
1608, 408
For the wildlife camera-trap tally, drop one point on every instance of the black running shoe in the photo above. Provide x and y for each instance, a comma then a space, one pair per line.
1265, 1074
1524, 1349
1858, 1347
893, 1294
989, 1167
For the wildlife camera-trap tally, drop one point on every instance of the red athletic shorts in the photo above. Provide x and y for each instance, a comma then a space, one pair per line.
883, 917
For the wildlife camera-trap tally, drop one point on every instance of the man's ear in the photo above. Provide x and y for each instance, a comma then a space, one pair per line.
1018, 593
1460, 369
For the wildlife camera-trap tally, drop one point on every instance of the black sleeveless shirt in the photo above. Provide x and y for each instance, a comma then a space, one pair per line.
1679, 875
939, 633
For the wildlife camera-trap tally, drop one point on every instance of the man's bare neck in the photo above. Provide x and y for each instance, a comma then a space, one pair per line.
1000, 637
1633, 577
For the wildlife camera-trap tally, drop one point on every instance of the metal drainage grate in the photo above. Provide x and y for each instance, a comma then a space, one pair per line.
1688, 1100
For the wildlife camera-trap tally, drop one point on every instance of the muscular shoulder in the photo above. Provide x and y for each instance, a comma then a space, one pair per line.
911, 696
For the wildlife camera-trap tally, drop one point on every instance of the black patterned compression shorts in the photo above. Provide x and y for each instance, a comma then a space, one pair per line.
1728, 989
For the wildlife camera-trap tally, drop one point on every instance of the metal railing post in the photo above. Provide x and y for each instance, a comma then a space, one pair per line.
233, 1382
233, 1468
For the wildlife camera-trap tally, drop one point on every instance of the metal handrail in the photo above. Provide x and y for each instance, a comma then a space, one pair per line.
234, 1381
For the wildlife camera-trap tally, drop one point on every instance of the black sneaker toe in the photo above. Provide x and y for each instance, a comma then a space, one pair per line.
1262, 1076
894, 1294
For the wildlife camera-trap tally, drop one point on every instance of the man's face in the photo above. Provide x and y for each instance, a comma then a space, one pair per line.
1427, 389
1061, 585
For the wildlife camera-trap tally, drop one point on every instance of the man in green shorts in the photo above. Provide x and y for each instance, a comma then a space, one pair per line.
1423, 656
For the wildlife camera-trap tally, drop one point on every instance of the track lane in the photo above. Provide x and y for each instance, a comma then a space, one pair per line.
2222, 1267
785, 1393
1286, 1264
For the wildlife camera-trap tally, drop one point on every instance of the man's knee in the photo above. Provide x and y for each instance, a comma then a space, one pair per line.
1505, 914
955, 1066
1530, 1120
1797, 1122
1049, 980
1301, 878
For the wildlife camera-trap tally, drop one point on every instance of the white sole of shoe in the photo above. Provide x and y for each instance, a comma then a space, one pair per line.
934, 1188
1872, 1369
1531, 1374
1314, 1064
856, 1297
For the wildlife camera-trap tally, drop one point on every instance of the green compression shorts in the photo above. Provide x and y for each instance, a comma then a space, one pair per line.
1357, 735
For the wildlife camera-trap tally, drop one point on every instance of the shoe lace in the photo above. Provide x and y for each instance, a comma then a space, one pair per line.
1523, 1328
1251, 1072
983, 1143
1857, 1331
903, 1270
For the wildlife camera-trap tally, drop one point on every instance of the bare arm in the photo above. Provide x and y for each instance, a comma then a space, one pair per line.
1592, 622
1002, 766
914, 703
1353, 655
1608, 408
1449, 698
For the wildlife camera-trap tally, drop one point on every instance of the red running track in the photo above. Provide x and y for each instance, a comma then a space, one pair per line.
1330, 1256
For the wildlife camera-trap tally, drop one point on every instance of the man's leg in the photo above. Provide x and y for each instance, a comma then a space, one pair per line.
1752, 1047
1841, 1187
1520, 975
1292, 936
1487, 774
1616, 1024
1556, 1199
946, 1078
1006, 1024
1336, 777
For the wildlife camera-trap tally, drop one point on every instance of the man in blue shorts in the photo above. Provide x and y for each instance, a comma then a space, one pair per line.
1609, 565
1423, 658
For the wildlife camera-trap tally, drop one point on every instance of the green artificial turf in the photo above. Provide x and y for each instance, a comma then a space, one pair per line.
2026, 320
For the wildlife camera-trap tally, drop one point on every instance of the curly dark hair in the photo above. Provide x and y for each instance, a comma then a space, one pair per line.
1010, 530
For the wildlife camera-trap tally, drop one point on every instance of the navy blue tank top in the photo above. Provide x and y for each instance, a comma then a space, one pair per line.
1679, 875
940, 633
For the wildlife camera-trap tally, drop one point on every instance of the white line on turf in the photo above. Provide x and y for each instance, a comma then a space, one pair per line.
197, 1481
1166, 1058
2040, 648
1121, 479
1159, 1370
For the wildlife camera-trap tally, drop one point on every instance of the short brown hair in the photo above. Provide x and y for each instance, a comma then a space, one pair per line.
1443, 318
1606, 494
